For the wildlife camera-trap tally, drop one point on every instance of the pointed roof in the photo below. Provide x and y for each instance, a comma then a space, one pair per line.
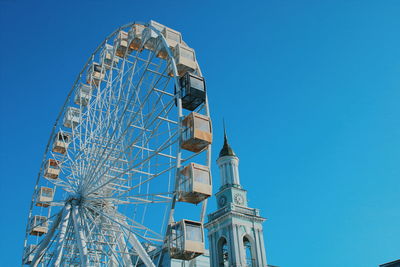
226, 149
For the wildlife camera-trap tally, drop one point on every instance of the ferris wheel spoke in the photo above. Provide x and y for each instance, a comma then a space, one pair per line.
74, 167
120, 221
99, 128
131, 237
117, 158
137, 86
125, 150
95, 230
137, 164
128, 147
123, 249
139, 248
136, 114
144, 181
160, 198
128, 224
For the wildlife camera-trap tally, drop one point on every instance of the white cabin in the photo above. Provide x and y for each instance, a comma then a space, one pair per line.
185, 59
194, 183
52, 169
196, 134
186, 240
44, 196
150, 37
61, 142
108, 59
95, 74
38, 225
172, 38
71, 117
121, 44
135, 37
83, 95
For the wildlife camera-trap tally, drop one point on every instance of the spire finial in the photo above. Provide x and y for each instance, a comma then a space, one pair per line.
225, 136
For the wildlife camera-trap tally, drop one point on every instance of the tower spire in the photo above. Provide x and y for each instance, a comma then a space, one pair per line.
225, 137
226, 149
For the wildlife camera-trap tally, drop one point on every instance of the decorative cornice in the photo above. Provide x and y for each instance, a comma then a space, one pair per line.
235, 211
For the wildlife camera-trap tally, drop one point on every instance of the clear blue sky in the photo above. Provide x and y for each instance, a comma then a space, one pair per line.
310, 92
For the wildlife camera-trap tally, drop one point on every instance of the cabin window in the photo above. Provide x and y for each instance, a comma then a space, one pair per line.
97, 68
201, 176
197, 83
63, 138
194, 233
47, 192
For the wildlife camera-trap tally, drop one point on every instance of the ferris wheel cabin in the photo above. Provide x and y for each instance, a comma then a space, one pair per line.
193, 90
173, 38
61, 142
71, 117
38, 225
52, 169
186, 240
150, 37
185, 59
108, 60
194, 183
121, 44
83, 95
44, 196
135, 37
94, 74
196, 133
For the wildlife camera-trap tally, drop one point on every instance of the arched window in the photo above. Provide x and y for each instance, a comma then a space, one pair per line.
223, 253
247, 249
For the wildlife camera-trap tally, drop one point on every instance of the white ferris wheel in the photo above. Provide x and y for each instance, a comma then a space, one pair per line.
125, 176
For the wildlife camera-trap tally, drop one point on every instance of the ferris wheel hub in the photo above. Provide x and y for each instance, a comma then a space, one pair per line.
75, 200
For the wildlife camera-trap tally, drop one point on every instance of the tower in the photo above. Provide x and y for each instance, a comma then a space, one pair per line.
235, 230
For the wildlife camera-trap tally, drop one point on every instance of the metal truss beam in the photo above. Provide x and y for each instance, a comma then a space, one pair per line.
80, 236
61, 237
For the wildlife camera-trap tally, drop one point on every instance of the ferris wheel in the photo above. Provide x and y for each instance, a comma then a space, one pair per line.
125, 176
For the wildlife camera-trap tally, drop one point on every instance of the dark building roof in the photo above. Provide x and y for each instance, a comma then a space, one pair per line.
391, 264
226, 149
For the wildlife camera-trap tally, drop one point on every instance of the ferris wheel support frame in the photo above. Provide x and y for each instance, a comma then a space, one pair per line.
123, 247
80, 236
132, 240
61, 237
